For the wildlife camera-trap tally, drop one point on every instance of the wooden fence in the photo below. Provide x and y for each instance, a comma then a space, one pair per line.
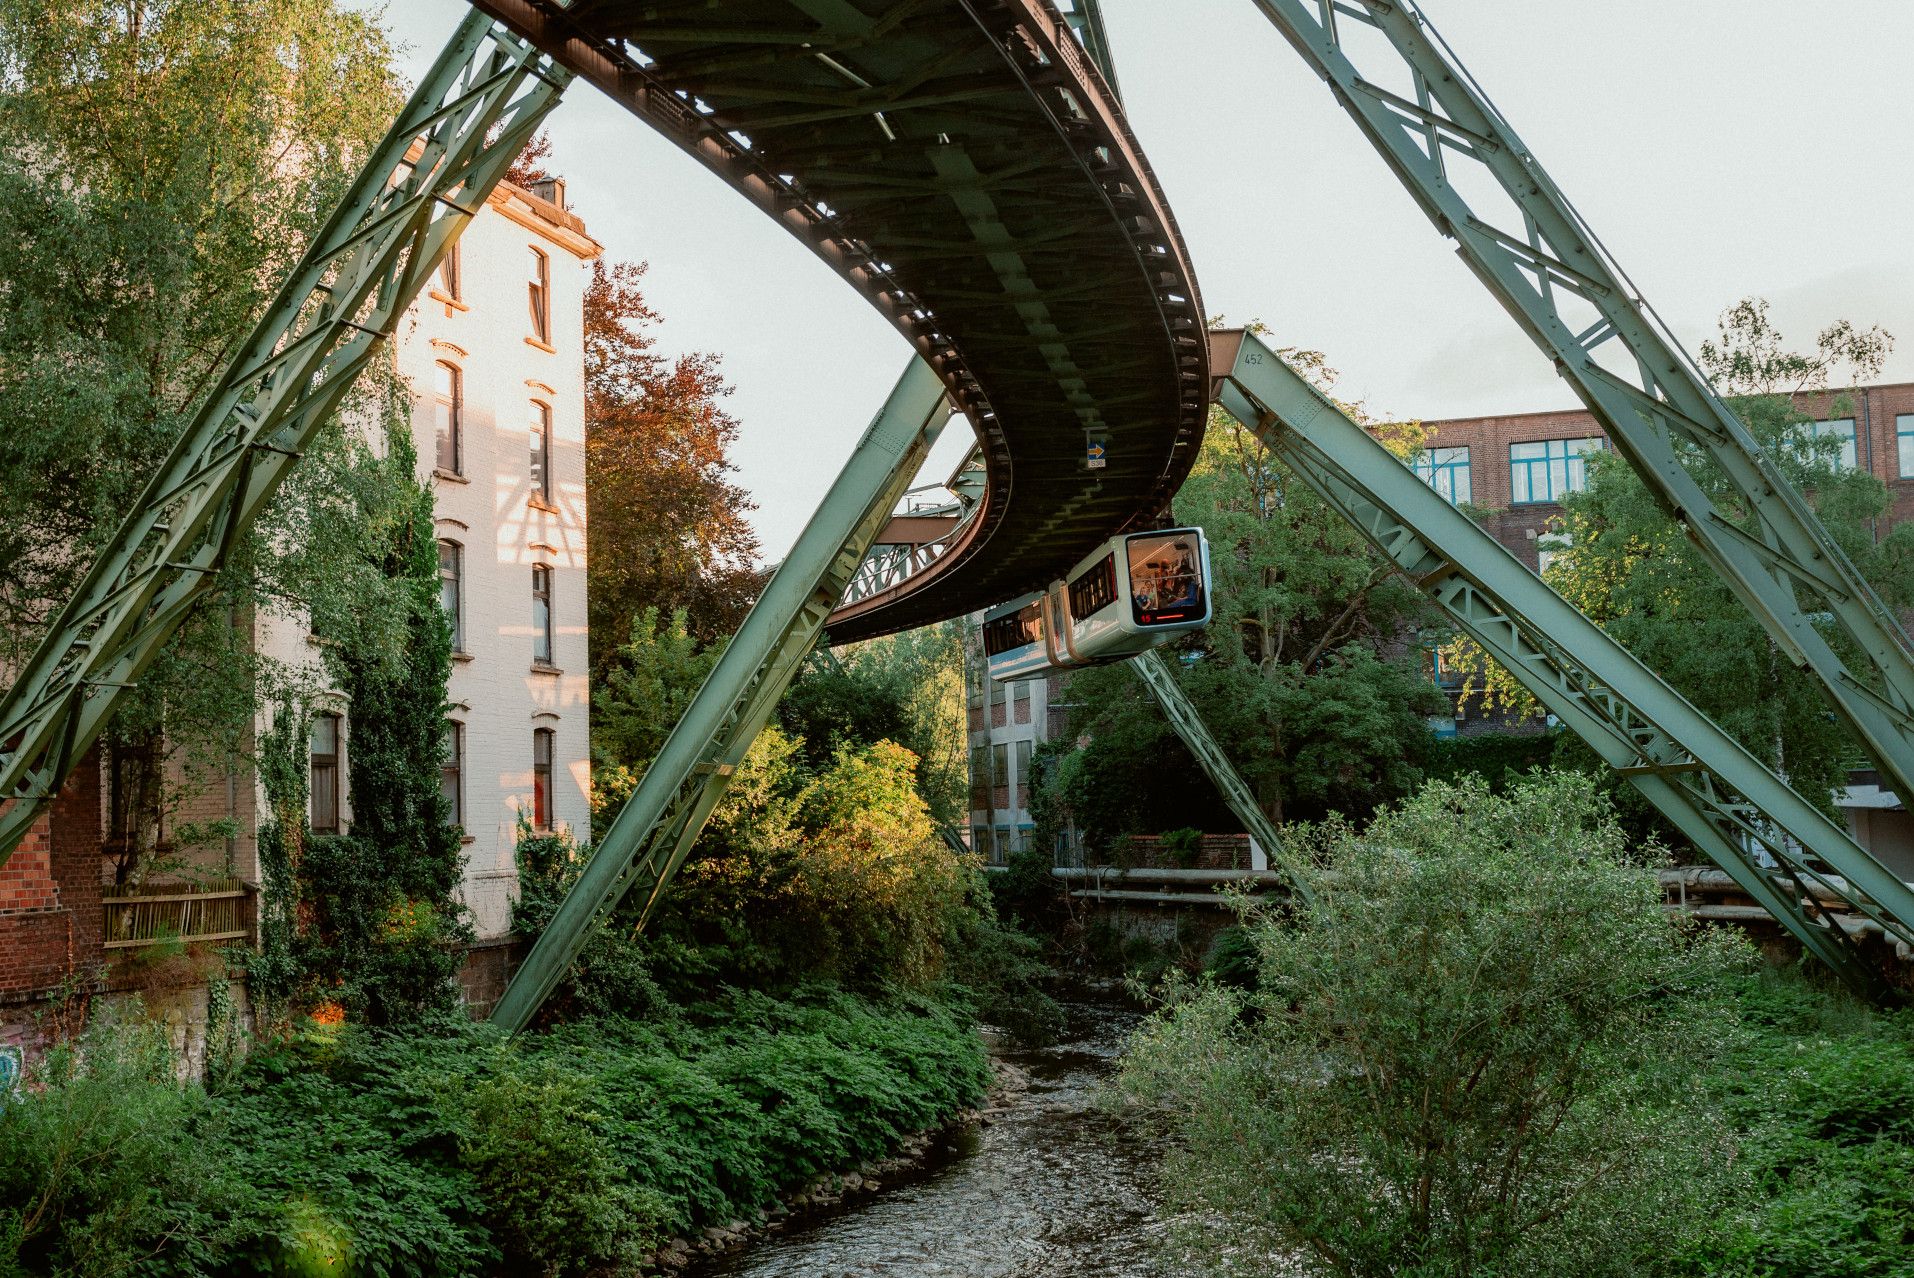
158, 913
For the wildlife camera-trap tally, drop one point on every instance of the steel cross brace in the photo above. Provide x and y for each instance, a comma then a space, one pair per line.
472, 113
1158, 678
1776, 845
1543, 263
653, 833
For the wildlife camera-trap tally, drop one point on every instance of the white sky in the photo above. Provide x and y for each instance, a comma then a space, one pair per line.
1721, 148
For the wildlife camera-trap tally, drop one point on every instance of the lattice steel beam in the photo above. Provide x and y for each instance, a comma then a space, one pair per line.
473, 112
653, 833
1158, 678
1778, 847
1441, 136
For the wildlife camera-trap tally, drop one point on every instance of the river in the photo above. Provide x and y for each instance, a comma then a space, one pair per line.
1053, 1188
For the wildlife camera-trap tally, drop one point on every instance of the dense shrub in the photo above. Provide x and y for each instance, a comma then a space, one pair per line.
449, 1150
1477, 1053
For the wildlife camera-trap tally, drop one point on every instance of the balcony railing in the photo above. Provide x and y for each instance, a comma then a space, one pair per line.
160, 913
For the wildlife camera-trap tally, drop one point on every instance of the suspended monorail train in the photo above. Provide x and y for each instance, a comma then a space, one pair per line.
1130, 594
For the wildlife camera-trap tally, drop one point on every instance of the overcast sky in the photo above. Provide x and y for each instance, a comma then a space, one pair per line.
1722, 148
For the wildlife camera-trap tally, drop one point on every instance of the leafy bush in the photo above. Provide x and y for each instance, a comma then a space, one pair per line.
92, 1153
555, 1195
447, 1149
1478, 1053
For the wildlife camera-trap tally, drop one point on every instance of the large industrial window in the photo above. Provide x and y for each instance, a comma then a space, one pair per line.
544, 749
1000, 763
541, 453
542, 614
539, 285
1447, 471
452, 772
1023, 774
452, 590
1840, 430
325, 774
1549, 469
448, 417
1904, 443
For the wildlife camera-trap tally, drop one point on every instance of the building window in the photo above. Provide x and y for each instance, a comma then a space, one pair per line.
1020, 693
1000, 764
541, 453
325, 774
980, 778
980, 840
450, 271
996, 692
1023, 774
452, 773
1841, 430
1001, 852
448, 416
452, 590
1447, 471
542, 614
1904, 443
544, 749
1549, 469
540, 285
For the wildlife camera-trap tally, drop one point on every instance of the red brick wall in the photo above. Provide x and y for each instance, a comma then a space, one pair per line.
1213, 852
50, 922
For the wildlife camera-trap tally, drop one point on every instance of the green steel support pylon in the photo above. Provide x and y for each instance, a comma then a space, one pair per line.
1776, 845
653, 833
474, 111
1158, 678
1442, 137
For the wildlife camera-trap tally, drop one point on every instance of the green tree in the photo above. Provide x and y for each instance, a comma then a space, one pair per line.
1629, 566
1302, 676
1481, 1052
162, 164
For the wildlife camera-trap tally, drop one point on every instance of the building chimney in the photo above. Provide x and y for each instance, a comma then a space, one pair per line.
551, 190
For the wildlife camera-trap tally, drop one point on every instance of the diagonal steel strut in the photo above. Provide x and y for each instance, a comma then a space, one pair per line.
1777, 846
1156, 676
653, 833
471, 115
1442, 136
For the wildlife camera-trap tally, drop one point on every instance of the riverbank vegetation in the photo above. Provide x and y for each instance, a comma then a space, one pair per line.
1488, 1049
448, 1149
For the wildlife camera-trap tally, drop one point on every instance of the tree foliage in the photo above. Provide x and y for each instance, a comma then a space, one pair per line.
669, 529
1480, 1052
1630, 567
162, 165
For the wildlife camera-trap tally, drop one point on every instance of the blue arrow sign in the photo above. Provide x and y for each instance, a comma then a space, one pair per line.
1094, 452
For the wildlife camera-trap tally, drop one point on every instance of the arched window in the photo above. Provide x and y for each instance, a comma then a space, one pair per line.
452, 590
541, 615
541, 424
448, 416
544, 752
539, 282
452, 773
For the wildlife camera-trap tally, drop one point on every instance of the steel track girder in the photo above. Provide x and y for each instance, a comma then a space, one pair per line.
472, 113
654, 832
1553, 275
1775, 844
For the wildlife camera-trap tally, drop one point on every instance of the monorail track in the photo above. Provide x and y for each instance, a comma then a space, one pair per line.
966, 168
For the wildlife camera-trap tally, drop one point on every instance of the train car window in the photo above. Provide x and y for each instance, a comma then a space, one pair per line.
1095, 590
1024, 626
1166, 578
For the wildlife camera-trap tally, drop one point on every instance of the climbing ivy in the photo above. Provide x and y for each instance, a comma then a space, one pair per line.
273, 971
383, 932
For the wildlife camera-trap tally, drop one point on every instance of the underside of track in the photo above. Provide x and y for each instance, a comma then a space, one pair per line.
967, 169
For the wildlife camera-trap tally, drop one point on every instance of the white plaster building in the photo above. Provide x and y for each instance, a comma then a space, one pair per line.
494, 353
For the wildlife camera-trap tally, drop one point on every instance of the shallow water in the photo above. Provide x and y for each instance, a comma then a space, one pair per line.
1052, 1189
